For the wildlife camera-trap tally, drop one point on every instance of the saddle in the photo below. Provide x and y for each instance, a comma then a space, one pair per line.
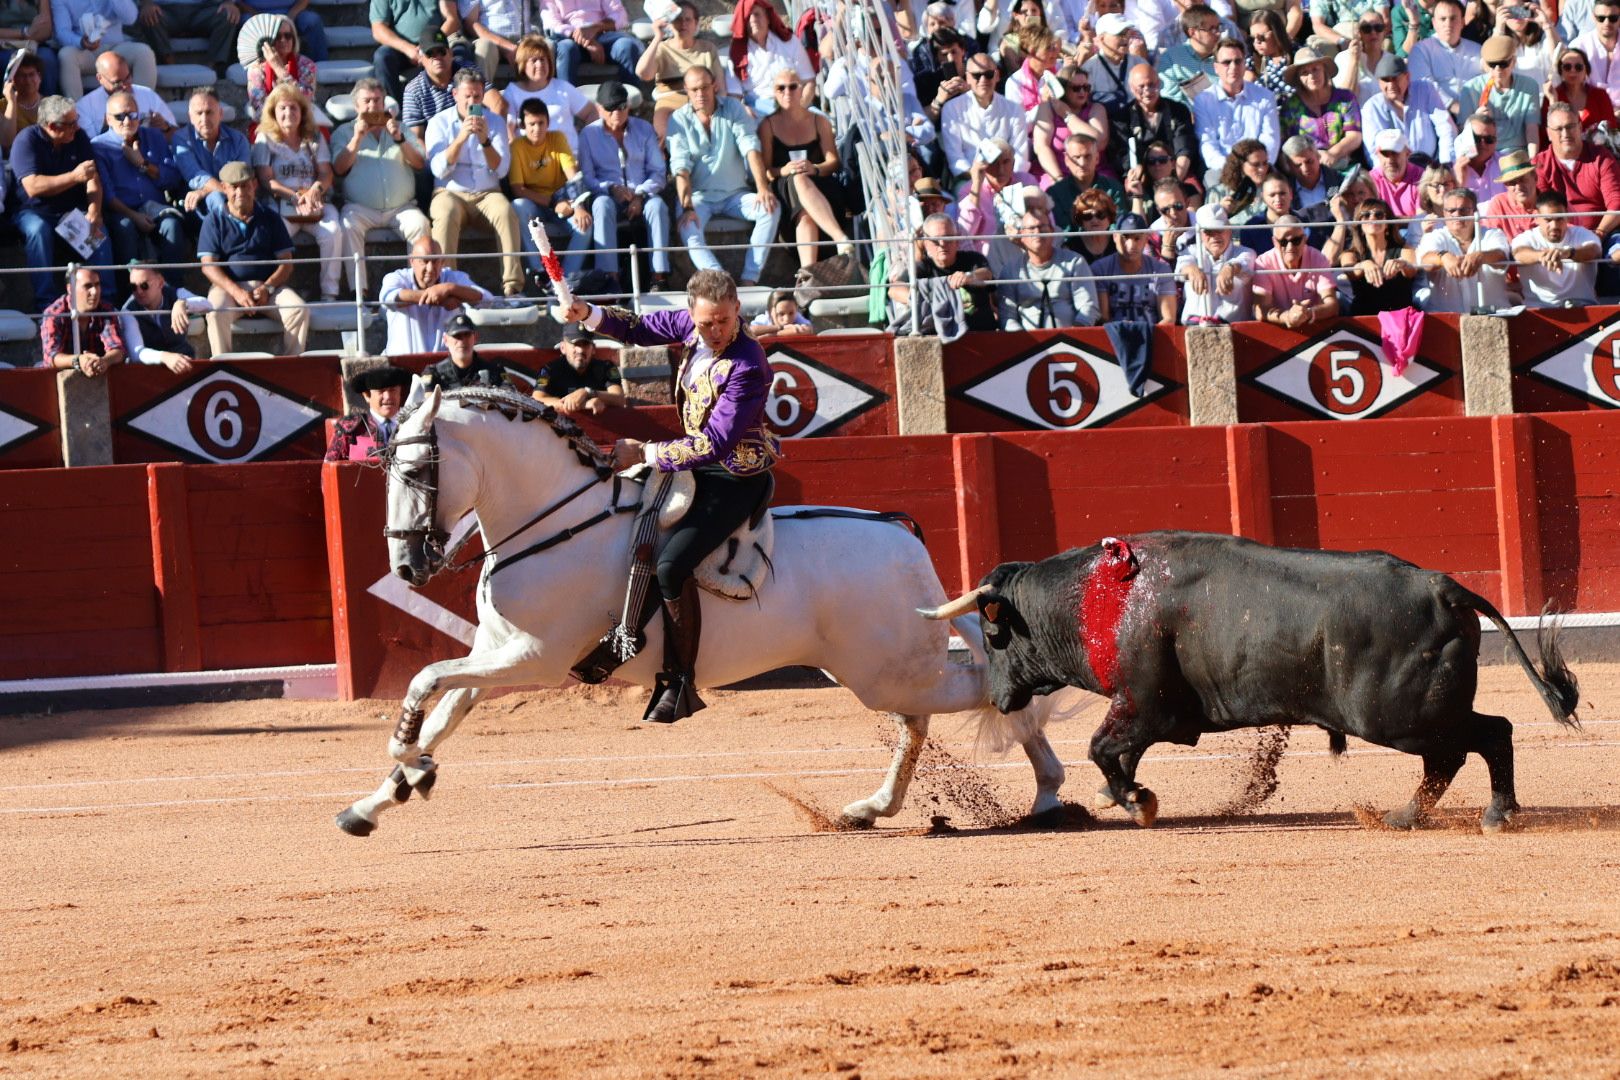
733, 571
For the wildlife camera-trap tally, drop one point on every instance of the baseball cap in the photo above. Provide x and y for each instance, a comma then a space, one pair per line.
1131, 223
1213, 216
1114, 24
1389, 67
432, 38
461, 324
612, 96
235, 172
576, 332
1392, 140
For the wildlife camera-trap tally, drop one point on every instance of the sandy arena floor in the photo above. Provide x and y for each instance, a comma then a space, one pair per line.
584, 896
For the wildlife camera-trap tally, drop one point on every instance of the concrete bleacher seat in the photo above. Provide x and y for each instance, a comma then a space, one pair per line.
250, 355
350, 37
17, 326
519, 315
185, 76
341, 72
846, 306
642, 29
338, 319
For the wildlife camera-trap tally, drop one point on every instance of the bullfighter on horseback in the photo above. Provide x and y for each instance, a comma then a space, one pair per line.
722, 389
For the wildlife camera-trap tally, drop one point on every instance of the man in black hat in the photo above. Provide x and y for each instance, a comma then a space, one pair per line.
426, 96
578, 381
463, 367
625, 171
360, 435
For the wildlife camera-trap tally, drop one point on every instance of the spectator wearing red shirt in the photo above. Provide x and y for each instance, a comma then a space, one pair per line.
1586, 176
1513, 211
101, 338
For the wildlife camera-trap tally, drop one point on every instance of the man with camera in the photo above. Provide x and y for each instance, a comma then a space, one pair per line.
378, 159
469, 156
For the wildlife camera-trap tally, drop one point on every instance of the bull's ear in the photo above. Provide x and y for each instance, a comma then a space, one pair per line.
995, 612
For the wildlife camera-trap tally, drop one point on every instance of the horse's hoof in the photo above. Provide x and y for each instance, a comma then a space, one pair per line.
852, 823
424, 786
355, 825
1143, 807
1103, 799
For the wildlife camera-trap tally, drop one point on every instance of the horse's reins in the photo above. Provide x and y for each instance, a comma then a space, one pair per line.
439, 537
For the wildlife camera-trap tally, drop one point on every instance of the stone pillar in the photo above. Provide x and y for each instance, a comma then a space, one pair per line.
85, 416
1211, 375
919, 382
648, 377
1487, 373
352, 366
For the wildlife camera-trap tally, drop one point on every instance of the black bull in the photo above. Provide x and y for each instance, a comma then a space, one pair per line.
1188, 633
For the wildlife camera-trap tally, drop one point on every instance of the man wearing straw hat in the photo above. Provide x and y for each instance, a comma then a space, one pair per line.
1513, 211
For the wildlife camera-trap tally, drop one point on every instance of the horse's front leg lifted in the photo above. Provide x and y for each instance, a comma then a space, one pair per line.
402, 746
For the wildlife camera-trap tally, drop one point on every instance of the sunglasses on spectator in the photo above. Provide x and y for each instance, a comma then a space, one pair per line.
1079, 88
1485, 140
1373, 28
1092, 215
1229, 61
1291, 241
144, 286
977, 75
1260, 37
436, 52
285, 35
1607, 18
121, 117
786, 86
1499, 63
1456, 211
1158, 159
1172, 208
1576, 66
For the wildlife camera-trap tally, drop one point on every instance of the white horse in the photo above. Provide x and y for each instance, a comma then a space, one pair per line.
842, 598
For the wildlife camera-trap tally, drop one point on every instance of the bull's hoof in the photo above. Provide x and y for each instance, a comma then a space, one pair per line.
1143, 806
1406, 819
1498, 821
1103, 799
355, 825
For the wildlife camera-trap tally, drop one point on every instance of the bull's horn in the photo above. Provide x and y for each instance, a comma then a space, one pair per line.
960, 606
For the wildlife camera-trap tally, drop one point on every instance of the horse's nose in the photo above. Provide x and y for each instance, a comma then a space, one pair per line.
405, 572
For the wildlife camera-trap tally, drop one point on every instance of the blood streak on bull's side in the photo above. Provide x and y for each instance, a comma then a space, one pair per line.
1103, 598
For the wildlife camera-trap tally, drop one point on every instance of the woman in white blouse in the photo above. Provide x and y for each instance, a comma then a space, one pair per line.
768, 49
295, 169
569, 107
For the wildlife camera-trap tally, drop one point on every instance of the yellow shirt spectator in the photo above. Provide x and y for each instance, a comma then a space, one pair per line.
545, 167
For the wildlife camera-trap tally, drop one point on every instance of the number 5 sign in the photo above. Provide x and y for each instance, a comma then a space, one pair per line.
1343, 377
1063, 383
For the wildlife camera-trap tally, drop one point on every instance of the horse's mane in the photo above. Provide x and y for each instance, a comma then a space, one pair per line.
516, 406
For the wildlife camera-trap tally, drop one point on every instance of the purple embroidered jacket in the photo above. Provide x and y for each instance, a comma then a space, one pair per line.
722, 404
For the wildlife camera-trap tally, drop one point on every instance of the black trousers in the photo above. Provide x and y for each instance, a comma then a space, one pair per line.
722, 503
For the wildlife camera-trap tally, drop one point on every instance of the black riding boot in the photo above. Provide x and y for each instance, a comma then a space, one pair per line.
675, 693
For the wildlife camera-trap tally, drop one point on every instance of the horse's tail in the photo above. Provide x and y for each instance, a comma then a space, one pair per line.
998, 732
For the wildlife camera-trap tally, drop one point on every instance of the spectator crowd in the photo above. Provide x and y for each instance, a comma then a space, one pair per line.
1070, 162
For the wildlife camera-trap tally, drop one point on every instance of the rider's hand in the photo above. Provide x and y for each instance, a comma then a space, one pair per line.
627, 452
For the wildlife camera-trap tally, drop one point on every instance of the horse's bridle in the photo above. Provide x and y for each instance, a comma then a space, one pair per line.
435, 541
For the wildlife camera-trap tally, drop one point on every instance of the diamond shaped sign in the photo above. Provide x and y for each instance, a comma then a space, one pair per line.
15, 427
1342, 376
1060, 385
1588, 365
809, 398
225, 415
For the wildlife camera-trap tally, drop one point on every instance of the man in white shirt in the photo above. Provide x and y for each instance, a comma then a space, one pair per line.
968, 120
1601, 44
469, 156
1233, 110
1467, 265
1051, 287
420, 300
1219, 273
156, 318
1445, 59
1557, 260
112, 77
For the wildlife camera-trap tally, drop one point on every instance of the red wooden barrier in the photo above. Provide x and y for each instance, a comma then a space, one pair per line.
1060, 380
1337, 371
231, 412
1566, 359
76, 573
1577, 500
29, 418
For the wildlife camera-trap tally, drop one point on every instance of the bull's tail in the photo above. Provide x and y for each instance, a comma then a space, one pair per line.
1555, 683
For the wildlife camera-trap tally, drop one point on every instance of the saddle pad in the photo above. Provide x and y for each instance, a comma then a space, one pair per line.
737, 569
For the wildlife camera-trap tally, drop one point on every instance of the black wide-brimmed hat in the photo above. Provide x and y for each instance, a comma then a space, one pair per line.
379, 378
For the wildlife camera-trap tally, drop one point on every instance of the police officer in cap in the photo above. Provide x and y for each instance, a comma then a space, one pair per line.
362, 434
463, 367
